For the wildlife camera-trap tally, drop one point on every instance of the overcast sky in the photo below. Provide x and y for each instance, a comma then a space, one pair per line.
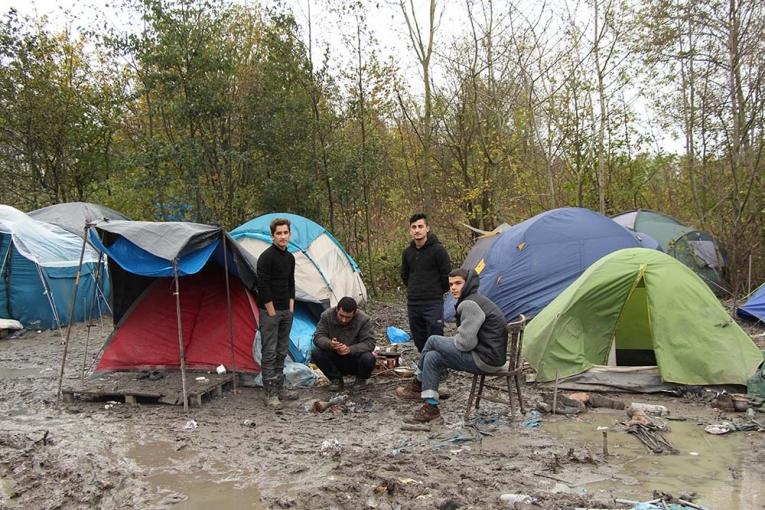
385, 21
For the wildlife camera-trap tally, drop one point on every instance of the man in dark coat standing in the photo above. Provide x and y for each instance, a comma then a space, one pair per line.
276, 303
425, 267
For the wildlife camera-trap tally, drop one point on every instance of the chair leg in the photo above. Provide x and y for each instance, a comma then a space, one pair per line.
510, 398
520, 395
471, 397
480, 391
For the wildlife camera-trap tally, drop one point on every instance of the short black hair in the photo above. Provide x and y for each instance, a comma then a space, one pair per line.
280, 221
347, 304
460, 272
417, 217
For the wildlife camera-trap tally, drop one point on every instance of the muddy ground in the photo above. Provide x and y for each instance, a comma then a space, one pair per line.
237, 454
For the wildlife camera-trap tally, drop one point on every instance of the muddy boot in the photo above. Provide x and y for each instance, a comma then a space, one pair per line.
336, 385
426, 414
412, 391
285, 394
272, 399
360, 383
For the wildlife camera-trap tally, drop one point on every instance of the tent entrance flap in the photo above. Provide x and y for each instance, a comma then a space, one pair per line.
633, 335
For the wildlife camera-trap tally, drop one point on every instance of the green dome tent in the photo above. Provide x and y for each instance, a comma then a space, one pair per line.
694, 248
646, 305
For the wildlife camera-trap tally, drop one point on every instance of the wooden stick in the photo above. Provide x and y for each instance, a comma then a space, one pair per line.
605, 443
232, 368
688, 503
181, 348
416, 428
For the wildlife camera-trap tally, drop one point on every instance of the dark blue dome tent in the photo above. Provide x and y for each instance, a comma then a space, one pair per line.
526, 266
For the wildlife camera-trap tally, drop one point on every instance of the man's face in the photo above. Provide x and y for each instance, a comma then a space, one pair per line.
343, 317
419, 230
281, 236
455, 286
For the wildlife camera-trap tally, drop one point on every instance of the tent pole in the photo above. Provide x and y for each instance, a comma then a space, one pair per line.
90, 313
228, 307
749, 277
180, 336
71, 315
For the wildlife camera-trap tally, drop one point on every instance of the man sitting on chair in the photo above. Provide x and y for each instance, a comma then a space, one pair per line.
343, 344
480, 345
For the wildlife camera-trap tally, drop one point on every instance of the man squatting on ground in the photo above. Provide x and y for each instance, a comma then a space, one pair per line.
343, 344
276, 301
480, 345
425, 266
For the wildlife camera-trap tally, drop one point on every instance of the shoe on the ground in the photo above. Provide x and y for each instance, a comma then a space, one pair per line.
285, 395
411, 391
336, 385
360, 383
272, 401
427, 413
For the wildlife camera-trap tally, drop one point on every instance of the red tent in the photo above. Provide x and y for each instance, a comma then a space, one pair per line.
147, 335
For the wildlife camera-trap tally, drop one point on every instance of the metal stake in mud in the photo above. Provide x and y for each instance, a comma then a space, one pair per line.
71, 313
180, 336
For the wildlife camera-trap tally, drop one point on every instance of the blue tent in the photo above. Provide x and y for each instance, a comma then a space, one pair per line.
324, 272
529, 264
754, 308
39, 264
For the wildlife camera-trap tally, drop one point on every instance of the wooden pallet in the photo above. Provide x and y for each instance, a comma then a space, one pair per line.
127, 387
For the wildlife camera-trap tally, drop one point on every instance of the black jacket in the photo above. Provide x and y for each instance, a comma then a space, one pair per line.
425, 271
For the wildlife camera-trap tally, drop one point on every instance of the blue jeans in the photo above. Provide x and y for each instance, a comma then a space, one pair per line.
441, 353
425, 320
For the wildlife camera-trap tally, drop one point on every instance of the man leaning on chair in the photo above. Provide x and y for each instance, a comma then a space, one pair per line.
478, 347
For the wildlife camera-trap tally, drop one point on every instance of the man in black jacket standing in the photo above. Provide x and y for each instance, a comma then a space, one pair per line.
276, 301
425, 267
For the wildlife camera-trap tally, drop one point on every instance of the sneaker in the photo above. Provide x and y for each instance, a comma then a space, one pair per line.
287, 395
412, 391
272, 401
335, 385
427, 413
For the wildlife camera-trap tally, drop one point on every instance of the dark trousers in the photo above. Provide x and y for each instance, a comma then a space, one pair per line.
275, 341
335, 366
425, 320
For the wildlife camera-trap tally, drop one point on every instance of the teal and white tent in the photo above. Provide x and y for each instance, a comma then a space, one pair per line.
38, 270
324, 272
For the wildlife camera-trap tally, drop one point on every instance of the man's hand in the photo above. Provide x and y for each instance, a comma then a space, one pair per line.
339, 347
270, 310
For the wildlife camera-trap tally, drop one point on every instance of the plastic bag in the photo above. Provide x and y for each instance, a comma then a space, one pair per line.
397, 336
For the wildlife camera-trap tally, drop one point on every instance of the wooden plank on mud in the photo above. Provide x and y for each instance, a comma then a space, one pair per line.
132, 388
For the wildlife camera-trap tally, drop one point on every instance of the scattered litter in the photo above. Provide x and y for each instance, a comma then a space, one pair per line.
111, 403
408, 481
649, 409
221, 369
533, 420
724, 427
249, 423
201, 379
396, 335
649, 431
695, 454
331, 448
511, 499
190, 425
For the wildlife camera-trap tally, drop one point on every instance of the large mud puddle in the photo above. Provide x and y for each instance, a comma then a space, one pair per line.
712, 466
186, 483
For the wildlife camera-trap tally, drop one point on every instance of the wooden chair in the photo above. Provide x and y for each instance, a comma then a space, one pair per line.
513, 370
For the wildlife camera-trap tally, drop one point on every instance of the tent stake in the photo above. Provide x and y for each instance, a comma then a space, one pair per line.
228, 306
71, 316
555, 394
180, 336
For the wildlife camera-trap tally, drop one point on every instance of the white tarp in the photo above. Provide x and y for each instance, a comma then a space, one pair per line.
44, 244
